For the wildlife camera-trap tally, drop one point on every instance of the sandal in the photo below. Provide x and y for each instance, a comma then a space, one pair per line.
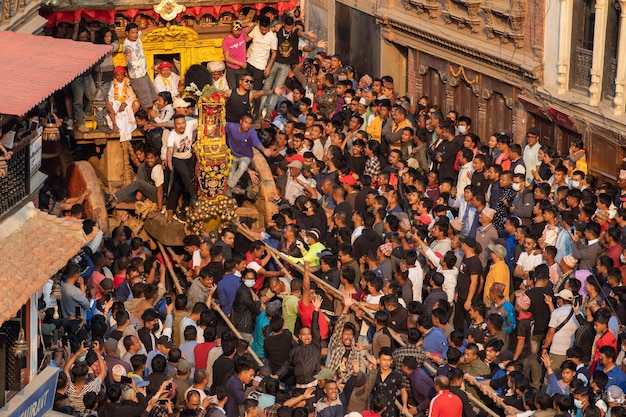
169, 216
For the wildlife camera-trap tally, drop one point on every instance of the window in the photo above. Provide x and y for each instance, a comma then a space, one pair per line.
610, 54
582, 43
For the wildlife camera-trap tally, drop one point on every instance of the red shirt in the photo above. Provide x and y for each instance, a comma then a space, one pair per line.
117, 280
446, 404
305, 311
607, 339
201, 353
369, 413
95, 280
260, 280
614, 253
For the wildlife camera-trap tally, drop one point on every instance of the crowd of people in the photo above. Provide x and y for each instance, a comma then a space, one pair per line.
425, 270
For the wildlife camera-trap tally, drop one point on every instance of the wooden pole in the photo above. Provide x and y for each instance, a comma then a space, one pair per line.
481, 405
170, 268
234, 329
180, 265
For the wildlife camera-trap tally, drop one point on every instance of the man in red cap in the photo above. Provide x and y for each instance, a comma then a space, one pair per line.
349, 185
166, 80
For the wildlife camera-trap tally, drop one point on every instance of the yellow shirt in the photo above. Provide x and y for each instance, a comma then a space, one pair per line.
375, 128
499, 272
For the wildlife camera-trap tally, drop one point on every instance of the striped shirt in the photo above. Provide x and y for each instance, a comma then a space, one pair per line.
76, 398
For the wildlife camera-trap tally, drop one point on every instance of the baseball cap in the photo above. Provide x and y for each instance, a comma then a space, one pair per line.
324, 374
183, 366
179, 102
471, 242
424, 218
118, 372
499, 250
165, 64
140, 382
295, 164
565, 295
273, 308
110, 345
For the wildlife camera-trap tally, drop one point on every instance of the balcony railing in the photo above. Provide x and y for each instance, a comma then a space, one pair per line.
609, 80
582, 68
15, 185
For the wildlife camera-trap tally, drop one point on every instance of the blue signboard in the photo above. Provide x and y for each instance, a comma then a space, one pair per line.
36, 399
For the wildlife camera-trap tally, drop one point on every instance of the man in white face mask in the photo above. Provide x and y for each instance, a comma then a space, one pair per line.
524, 200
464, 126
578, 180
581, 399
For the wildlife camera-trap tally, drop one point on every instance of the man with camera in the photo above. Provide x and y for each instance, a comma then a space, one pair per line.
561, 328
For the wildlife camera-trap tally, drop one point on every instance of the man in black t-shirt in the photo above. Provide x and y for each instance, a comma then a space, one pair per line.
288, 55
277, 343
469, 282
541, 315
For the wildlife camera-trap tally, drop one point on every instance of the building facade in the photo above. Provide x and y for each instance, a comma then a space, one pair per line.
508, 65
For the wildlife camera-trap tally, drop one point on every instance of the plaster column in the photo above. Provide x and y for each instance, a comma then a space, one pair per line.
565, 45
599, 43
620, 76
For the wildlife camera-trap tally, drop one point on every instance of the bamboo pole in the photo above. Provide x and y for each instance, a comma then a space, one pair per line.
481, 405
170, 268
234, 329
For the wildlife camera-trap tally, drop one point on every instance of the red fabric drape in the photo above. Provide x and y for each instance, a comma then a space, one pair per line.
108, 16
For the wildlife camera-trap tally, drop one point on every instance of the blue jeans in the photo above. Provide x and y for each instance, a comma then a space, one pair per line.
277, 77
240, 166
102, 113
81, 87
146, 188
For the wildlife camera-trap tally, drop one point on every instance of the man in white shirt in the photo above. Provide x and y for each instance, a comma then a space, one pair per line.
296, 182
531, 160
261, 54
218, 74
166, 80
464, 178
138, 67
557, 343
192, 320
179, 158
528, 260
442, 242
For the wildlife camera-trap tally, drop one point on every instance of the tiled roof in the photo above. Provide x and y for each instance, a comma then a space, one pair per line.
30, 255
33, 67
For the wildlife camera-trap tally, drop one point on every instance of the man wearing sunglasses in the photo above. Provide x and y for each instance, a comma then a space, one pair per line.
240, 99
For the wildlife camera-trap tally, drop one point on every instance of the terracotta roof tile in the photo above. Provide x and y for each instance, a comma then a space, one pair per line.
33, 67
30, 255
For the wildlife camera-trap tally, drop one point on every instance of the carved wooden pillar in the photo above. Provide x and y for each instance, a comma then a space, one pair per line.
449, 89
599, 41
620, 76
482, 113
565, 45
419, 80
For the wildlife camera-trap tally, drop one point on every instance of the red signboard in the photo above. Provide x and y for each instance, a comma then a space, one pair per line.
563, 120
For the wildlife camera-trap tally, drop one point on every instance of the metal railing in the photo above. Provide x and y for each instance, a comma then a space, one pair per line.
15, 185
